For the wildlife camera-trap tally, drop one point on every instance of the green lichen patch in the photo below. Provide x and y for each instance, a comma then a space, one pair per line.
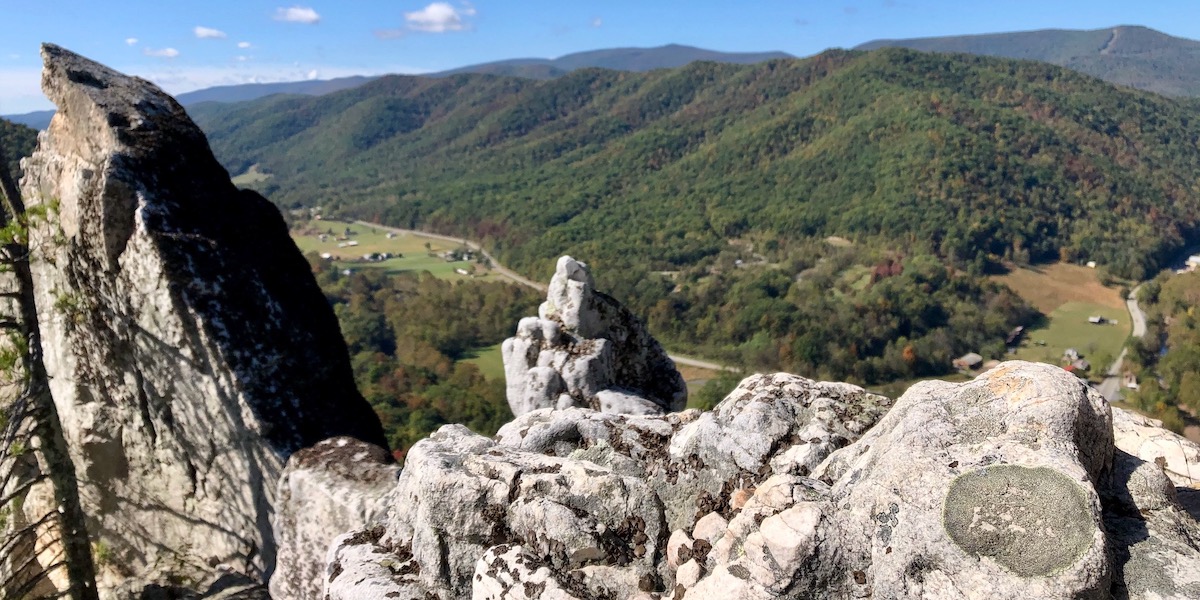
1035, 522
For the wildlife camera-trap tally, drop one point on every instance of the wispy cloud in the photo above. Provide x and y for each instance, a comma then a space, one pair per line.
208, 33
597, 22
131, 41
390, 34
21, 91
439, 17
244, 45
297, 14
161, 52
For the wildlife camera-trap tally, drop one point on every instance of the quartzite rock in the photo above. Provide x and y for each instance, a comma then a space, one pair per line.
584, 349
1004, 487
326, 490
578, 503
189, 349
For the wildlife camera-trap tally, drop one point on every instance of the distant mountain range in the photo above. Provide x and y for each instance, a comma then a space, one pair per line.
617, 59
1126, 55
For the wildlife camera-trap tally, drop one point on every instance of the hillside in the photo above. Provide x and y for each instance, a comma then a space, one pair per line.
1126, 55
617, 59
16, 141
974, 158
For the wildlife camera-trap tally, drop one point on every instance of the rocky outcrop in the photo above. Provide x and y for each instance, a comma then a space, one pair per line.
1146, 439
189, 349
326, 490
578, 503
584, 349
1008, 486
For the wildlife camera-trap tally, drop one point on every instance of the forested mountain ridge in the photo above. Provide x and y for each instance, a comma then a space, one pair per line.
617, 59
968, 156
1127, 55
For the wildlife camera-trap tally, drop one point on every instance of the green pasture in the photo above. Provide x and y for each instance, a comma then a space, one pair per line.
1068, 327
413, 255
489, 360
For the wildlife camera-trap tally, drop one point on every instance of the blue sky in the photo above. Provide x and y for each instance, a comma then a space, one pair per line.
190, 45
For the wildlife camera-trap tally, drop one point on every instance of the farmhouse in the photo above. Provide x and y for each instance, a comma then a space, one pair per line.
967, 361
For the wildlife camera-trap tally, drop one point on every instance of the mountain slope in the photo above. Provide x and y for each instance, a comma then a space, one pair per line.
1127, 55
617, 59
17, 141
972, 156
253, 91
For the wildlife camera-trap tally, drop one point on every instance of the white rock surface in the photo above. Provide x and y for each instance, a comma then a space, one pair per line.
586, 350
189, 349
1008, 486
461, 495
326, 490
1146, 439
587, 496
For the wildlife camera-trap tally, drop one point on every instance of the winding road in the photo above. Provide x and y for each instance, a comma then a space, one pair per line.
1111, 387
525, 281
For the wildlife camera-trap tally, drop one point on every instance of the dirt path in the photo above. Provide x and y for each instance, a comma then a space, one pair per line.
519, 279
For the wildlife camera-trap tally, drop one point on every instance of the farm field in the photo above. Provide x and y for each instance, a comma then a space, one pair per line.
412, 253
489, 360
1048, 287
250, 177
1068, 295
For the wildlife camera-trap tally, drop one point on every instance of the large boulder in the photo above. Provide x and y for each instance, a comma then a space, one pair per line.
326, 490
577, 503
1008, 486
584, 349
189, 349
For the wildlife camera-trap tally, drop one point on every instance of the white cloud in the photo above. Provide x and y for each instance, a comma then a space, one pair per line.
597, 22
243, 45
312, 75
208, 33
131, 41
297, 14
161, 53
439, 17
242, 58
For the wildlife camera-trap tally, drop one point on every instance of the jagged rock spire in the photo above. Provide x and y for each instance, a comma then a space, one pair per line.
189, 349
585, 349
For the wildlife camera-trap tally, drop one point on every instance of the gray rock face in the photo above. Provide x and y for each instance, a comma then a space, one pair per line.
325, 491
584, 349
189, 349
580, 504
1008, 486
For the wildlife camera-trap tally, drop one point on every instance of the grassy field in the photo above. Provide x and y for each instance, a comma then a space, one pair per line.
489, 361
250, 177
413, 254
1048, 287
1069, 294
1068, 327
